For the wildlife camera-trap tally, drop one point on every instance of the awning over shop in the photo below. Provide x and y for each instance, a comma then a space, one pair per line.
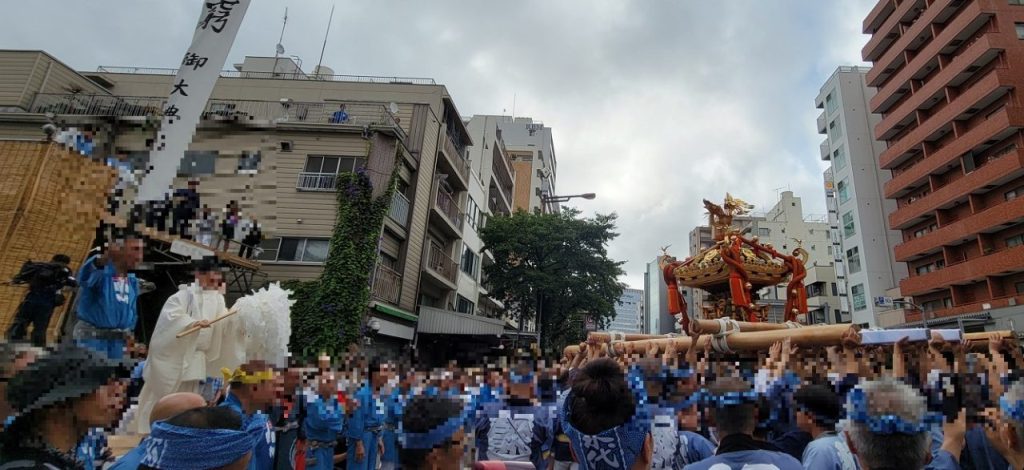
393, 311
438, 321
396, 330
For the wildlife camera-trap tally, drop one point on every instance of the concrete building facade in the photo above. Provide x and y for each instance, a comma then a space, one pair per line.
862, 244
655, 318
271, 142
532, 152
785, 227
951, 118
628, 312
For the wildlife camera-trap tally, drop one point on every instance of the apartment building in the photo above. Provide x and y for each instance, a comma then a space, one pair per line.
628, 312
862, 244
275, 143
946, 74
785, 227
532, 152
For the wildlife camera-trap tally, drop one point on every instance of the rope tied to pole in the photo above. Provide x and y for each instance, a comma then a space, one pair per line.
726, 327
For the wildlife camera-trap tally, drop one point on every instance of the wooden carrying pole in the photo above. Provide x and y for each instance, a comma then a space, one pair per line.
808, 336
220, 317
712, 327
983, 336
605, 337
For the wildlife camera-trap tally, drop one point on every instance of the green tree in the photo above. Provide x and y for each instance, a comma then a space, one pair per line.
557, 264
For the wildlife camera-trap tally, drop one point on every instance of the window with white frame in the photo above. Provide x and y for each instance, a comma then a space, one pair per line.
830, 104
859, 299
470, 262
249, 162
835, 130
853, 259
332, 164
849, 229
839, 158
473, 214
844, 191
294, 249
463, 305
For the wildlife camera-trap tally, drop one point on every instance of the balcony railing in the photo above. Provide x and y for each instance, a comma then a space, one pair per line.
503, 175
446, 204
458, 158
317, 182
387, 284
441, 263
399, 211
356, 113
276, 75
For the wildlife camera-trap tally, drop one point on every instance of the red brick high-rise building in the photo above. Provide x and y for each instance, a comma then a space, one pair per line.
949, 75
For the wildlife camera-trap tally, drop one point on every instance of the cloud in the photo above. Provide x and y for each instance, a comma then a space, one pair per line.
654, 105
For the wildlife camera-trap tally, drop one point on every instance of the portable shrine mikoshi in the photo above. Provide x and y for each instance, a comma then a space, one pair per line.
732, 269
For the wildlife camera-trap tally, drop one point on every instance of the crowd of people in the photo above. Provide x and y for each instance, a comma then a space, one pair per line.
934, 405
196, 398
191, 219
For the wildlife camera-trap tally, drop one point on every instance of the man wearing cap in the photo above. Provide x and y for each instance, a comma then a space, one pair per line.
59, 399
106, 298
188, 363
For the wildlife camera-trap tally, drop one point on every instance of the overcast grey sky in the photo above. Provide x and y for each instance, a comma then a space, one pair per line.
654, 104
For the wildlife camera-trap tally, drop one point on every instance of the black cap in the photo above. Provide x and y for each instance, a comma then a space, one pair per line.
69, 372
207, 264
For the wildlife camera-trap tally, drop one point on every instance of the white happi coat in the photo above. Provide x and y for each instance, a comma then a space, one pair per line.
178, 364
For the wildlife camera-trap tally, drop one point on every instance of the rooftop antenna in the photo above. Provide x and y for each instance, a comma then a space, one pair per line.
316, 71
513, 107
280, 48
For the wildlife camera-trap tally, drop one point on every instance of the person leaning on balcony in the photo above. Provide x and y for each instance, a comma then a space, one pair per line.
339, 116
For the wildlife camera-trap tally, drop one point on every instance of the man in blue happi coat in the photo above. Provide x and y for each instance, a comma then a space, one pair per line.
394, 402
604, 418
517, 429
108, 291
734, 411
366, 422
1005, 429
201, 438
324, 422
253, 388
817, 411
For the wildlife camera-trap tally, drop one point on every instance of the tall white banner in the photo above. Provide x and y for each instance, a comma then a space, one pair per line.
215, 33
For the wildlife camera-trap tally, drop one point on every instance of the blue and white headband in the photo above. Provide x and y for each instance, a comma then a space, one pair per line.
436, 436
521, 379
1013, 409
615, 448
888, 423
728, 398
172, 447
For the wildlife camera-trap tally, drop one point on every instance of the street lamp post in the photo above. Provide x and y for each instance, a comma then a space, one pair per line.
545, 200
924, 313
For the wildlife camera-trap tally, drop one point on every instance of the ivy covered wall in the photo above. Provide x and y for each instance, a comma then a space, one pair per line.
328, 313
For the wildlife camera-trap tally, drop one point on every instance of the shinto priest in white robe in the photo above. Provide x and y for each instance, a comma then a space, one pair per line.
179, 364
